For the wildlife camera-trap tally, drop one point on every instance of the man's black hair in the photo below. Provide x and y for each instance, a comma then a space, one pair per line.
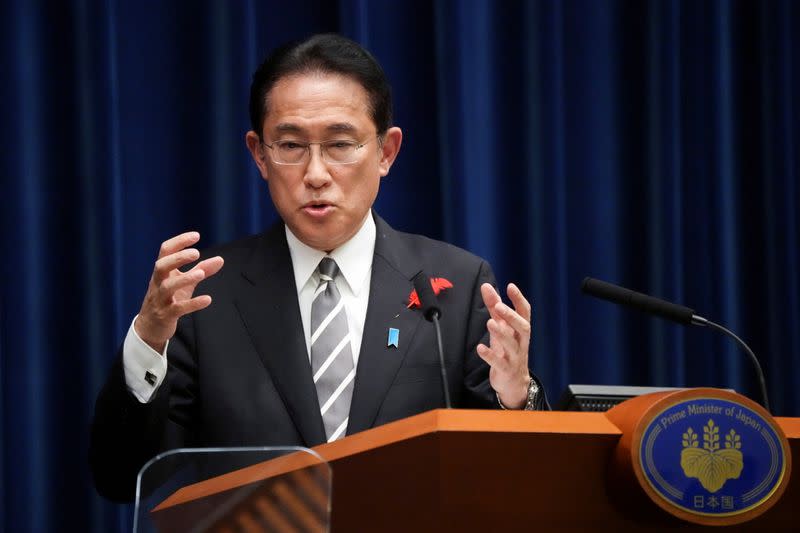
324, 53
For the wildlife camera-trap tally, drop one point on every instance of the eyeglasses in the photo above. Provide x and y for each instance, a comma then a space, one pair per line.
336, 152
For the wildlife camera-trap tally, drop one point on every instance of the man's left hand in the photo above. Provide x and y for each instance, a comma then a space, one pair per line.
509, 339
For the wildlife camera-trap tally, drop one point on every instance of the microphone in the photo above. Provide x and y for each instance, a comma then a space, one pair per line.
670, 311
432, 313
637, 300
427, 298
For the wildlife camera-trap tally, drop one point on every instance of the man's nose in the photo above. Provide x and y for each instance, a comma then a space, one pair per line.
317, 174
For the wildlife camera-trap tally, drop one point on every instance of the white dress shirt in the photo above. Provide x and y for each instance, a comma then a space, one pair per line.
145, 368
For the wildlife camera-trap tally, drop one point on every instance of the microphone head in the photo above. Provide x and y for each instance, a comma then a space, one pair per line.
427, 298
606, 291
642, 302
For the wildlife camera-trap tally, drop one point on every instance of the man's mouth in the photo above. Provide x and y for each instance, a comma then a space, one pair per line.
317, 209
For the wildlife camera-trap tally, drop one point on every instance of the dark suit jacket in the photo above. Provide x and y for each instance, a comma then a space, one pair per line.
239, 372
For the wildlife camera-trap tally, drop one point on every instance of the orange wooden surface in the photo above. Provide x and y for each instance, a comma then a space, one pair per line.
468, 470
408, 428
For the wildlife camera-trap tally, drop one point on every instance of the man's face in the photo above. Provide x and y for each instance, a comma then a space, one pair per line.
323, 204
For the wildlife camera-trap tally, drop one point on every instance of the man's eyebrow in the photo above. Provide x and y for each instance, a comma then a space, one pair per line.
337, 127
288, 127
341, 127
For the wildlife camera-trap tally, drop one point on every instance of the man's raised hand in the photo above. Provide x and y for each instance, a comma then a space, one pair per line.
509, 339
169, 293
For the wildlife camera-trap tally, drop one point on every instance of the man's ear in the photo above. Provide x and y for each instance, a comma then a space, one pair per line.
390, 147
253, 142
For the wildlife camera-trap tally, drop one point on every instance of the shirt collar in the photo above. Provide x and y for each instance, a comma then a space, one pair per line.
354, 257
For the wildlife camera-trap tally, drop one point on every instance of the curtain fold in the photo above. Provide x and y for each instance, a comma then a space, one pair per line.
652, 144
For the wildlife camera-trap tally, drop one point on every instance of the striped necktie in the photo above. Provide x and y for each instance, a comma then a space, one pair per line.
331, 356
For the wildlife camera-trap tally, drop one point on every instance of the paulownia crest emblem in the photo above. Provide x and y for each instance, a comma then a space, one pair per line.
711, 465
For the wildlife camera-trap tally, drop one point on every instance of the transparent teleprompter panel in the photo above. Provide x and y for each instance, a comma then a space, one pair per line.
234, 490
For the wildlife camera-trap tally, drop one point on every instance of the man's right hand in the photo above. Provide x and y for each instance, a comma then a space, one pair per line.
169, 294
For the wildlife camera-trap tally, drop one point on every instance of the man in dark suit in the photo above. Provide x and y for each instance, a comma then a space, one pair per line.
313, 333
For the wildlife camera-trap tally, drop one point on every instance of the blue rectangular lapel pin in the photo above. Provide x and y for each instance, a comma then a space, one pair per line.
394, 338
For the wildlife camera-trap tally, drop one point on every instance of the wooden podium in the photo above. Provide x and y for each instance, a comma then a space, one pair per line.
463, 470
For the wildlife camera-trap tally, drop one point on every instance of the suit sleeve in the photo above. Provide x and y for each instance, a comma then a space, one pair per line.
478, 393
126, 433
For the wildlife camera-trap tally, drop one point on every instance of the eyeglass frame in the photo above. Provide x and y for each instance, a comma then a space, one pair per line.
358, 146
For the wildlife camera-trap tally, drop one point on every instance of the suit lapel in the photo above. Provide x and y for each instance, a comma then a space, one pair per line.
378, 363
268, 306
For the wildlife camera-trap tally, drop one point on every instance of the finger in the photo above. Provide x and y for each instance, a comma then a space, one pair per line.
494, 343
517, 322
490, 297
487, 354
165, 265
494, 359
210, 266
202, 270
179, 242
521, 305
190, 306
184, 280
502, 338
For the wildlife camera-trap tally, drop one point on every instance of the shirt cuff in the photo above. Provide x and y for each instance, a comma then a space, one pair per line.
145, 368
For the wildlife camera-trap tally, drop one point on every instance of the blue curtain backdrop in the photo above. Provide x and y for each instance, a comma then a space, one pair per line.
649, 143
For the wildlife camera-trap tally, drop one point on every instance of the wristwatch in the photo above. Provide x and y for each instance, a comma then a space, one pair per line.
533, 395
